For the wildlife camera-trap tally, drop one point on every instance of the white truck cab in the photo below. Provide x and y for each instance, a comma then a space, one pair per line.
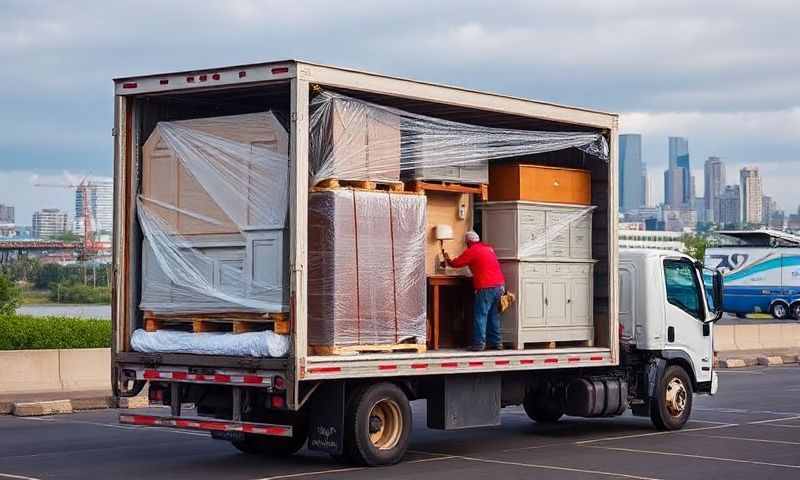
666, 313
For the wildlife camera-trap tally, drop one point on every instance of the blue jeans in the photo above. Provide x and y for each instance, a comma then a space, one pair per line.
486, 324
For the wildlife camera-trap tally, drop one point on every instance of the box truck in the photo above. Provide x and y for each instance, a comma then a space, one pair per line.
761, 269
277, 229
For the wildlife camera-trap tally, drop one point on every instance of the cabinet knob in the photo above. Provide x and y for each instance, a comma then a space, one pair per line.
545, 300
569, 300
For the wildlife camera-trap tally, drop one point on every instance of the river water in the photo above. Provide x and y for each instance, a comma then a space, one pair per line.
82, 311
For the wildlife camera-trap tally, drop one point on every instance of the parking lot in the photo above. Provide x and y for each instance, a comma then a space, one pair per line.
750, 430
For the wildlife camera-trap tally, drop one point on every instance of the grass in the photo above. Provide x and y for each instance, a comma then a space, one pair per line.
35, 297
25, 332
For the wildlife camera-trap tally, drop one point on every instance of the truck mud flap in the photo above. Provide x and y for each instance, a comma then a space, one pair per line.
465, 401
326, 418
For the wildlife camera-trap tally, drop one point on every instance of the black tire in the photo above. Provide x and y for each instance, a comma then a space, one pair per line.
377, 425
542, 408
741, 315
671, 408
275, 446
779, 311
795, 309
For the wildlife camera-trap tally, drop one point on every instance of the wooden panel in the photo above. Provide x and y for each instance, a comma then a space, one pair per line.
443, 209
537, 183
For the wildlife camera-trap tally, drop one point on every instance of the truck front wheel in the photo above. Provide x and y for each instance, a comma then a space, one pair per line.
671, 407
377, 425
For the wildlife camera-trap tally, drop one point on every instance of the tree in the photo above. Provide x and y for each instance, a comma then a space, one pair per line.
9, 296
695, 246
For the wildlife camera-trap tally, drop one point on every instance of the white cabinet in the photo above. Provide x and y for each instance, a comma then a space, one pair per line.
538, 231
554, 302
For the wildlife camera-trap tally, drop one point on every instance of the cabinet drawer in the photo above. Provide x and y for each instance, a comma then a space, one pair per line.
533, 269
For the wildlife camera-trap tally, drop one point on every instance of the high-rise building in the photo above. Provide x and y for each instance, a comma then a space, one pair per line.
650, 192
6, 213
679, 158
643, 200
750, 181
49, 222
100, 200
673, 188
730, 207
630, 172
768, 207
714, 184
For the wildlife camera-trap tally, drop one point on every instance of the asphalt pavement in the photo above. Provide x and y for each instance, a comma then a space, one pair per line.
751, 429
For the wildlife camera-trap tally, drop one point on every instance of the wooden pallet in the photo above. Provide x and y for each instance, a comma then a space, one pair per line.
556, 344
420, 186
331, 183
235, 322
356, 349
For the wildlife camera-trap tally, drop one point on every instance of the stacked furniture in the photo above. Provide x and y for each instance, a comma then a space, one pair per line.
545, 253
366, 279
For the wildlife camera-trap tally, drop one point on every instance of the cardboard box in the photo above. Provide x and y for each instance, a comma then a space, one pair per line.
535, 183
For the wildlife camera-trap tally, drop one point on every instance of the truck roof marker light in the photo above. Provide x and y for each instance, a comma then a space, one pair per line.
242, 74
279, 70
190, 79
163, 81
215, 76
130, 85
203, 78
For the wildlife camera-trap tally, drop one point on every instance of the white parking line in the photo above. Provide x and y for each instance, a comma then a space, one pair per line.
761, 440
18, 477
355, 469
555, 467
774, 420
651, 434
781, 425
701, 457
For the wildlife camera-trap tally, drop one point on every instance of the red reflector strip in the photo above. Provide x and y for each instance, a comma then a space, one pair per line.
130, 85
419, 365
163, 81
215, 76
387, 367
475, 364
149, 420
222, 378
449, 365
550, 360
151, 374
179, 375
253, 379
526, 361
596, 358
502, 362
573, 359
325, 370
278, 70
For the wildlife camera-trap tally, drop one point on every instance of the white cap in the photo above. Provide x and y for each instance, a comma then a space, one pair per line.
471, 236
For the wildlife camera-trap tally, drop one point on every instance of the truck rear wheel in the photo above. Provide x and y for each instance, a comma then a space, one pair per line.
542, 408
779, 311
796, 311
377, 425
672, 406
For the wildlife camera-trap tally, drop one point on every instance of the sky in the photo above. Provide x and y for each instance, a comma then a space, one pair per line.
725, 74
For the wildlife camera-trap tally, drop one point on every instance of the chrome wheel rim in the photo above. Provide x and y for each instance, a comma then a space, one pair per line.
676, 396
385, 424
780, 310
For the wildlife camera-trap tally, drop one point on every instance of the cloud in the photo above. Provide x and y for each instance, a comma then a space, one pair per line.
723, 73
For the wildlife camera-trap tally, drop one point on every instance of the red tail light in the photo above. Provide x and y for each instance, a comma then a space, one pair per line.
279, 383
278, 401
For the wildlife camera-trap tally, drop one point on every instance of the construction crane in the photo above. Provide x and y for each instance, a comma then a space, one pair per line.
90, 247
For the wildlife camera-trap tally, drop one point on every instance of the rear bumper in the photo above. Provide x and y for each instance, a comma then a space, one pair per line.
206, 425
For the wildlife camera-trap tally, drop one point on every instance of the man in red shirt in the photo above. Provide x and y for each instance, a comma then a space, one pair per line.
489, 284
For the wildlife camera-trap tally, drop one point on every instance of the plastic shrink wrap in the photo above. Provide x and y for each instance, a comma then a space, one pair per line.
366, 268
213, 211
353, 139
250, 344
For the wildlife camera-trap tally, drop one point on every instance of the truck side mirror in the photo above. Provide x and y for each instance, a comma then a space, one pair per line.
717, 295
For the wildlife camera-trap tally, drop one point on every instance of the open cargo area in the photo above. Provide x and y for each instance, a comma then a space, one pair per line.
293, 216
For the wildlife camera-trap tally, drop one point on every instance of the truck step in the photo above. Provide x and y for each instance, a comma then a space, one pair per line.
235, 322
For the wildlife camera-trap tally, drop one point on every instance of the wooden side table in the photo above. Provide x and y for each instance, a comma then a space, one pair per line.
463, 284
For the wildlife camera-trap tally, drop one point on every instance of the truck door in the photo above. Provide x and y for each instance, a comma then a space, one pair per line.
685, 311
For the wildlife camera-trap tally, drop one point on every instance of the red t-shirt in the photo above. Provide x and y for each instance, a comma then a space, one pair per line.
482, 262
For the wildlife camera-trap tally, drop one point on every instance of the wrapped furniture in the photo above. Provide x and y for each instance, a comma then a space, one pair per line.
366, 287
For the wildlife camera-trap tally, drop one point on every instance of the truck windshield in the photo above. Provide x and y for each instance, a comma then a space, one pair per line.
683, 289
